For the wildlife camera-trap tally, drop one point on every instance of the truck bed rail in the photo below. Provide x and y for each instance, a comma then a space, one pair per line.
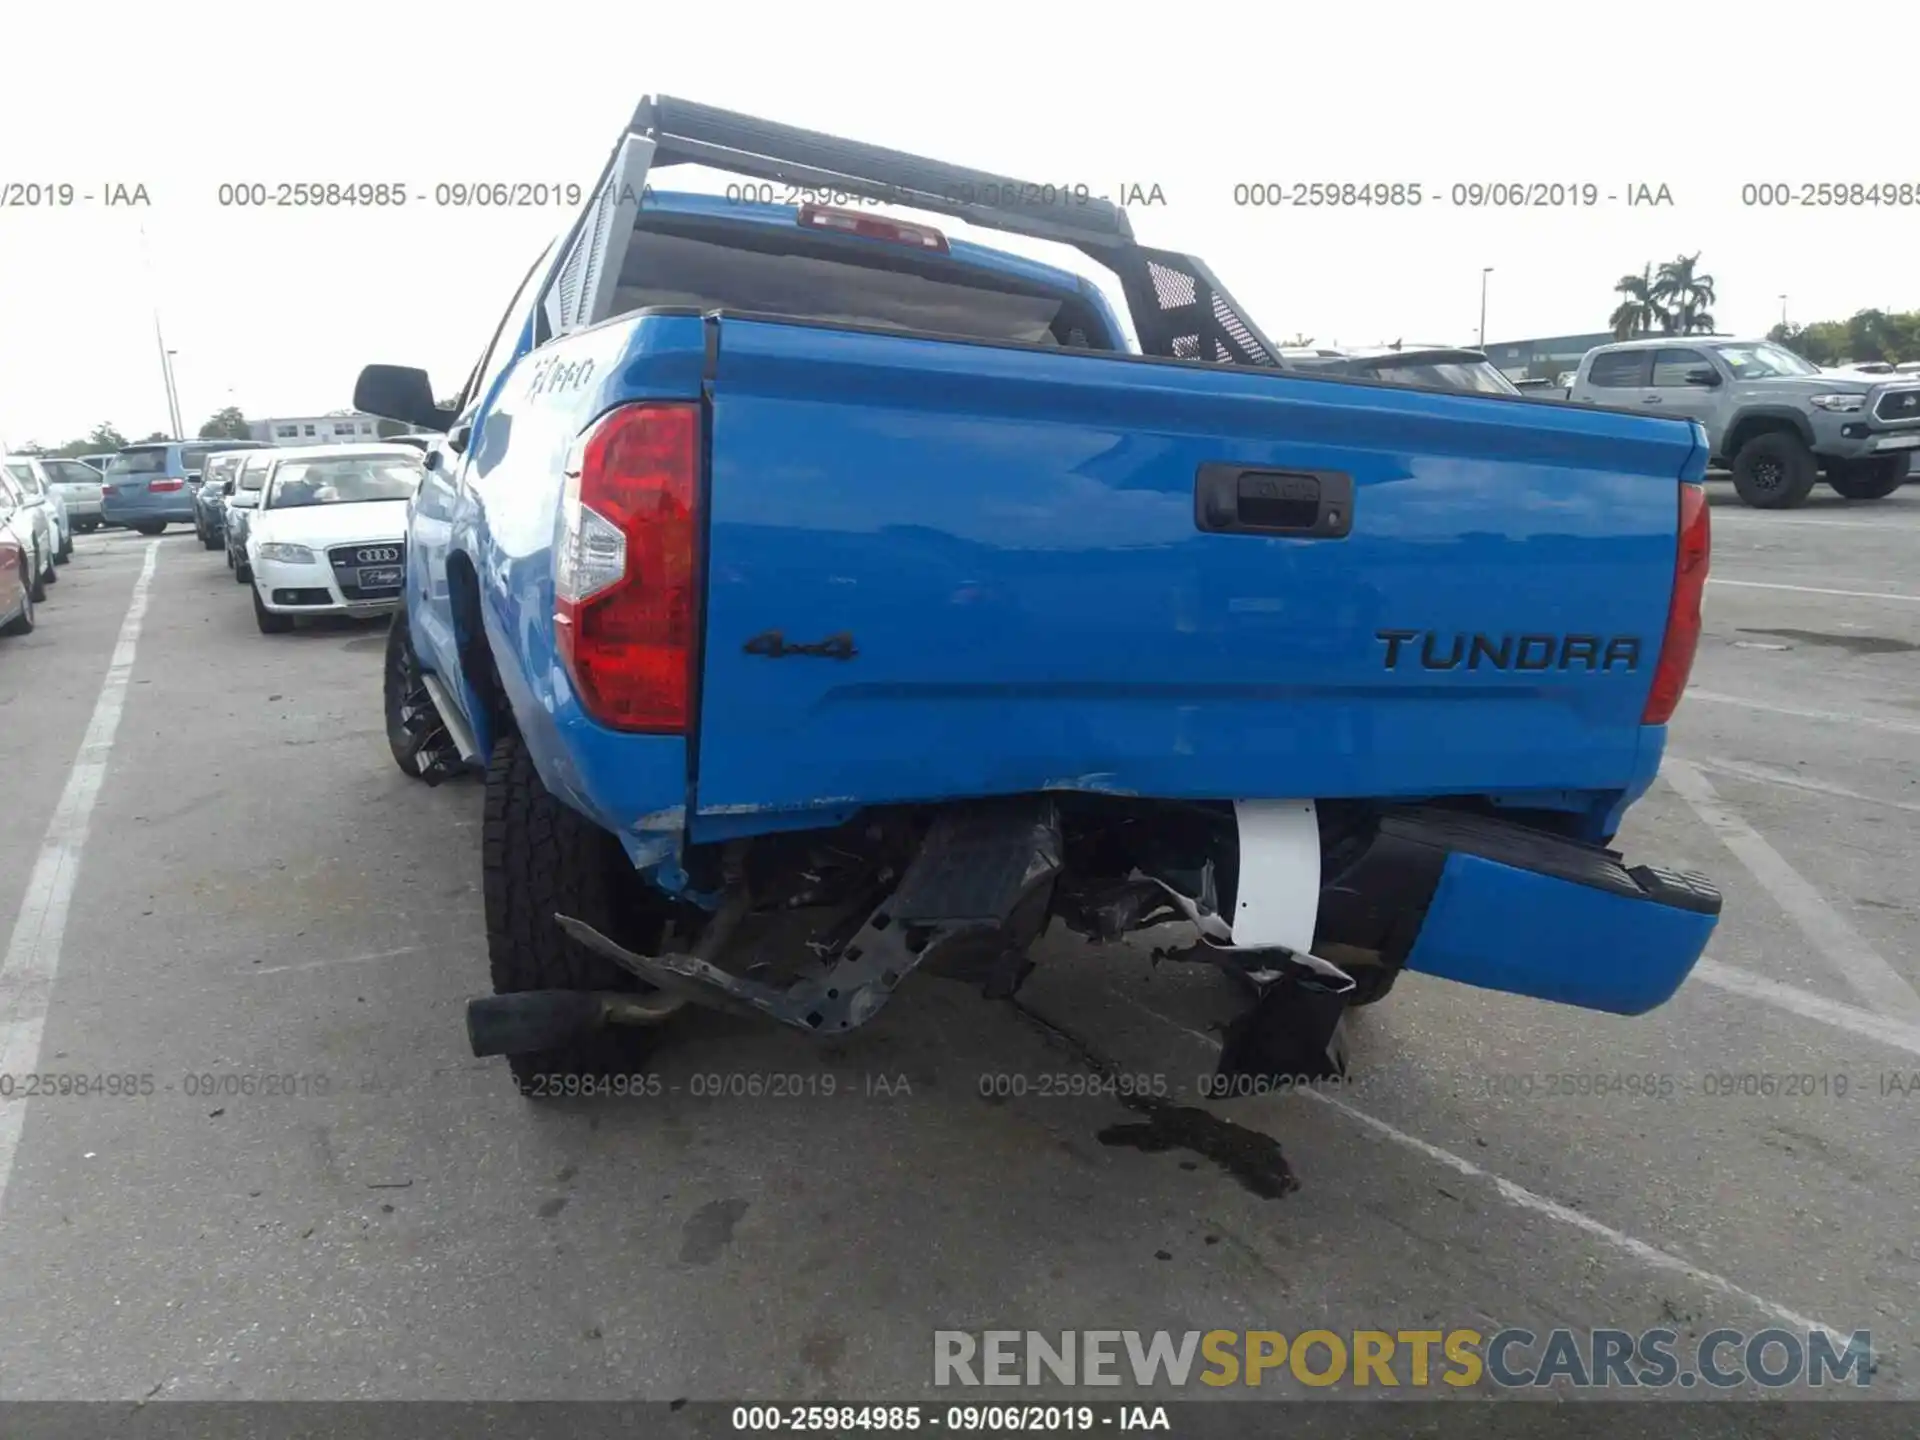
687, 133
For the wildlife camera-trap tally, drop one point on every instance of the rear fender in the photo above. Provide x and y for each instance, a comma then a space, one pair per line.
634, 785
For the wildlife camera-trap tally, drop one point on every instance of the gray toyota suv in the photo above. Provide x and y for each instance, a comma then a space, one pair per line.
1776, 420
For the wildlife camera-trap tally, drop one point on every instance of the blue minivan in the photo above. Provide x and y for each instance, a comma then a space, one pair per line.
148, 487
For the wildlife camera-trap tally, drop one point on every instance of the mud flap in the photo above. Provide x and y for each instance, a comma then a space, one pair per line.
1294, 1032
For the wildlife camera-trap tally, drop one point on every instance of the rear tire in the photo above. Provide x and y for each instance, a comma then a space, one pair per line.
537, 857
1873, 479
1774, 471
151, 528
242, 572
270, 623
37, 591
1371, 985
212, 542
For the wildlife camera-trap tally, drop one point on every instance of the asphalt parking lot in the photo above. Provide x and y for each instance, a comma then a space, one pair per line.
210, 868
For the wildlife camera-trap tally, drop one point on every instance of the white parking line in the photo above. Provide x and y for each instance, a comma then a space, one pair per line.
1825, 717
1844, 947
1808, 1005
1522, 1198
1815, 590
33, 954
1766, 774
1722, 516
332, 960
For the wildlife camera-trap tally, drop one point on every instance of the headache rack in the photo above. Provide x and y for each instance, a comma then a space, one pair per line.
1180, 309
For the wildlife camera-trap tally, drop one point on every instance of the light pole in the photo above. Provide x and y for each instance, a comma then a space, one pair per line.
1484, 272
159, 340
173, 397
1783, 312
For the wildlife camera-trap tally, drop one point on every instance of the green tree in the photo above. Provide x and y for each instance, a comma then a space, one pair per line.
1640, 311
226, 424
156, 437
1683, 295
102, 438
1892, 336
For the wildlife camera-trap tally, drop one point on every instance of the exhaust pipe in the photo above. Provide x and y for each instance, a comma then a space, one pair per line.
533, 1020
526, 1021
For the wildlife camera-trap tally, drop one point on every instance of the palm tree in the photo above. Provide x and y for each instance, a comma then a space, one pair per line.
1687, 292
1637, 313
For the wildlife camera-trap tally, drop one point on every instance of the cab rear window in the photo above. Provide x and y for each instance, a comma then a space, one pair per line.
745, 270
1621, 369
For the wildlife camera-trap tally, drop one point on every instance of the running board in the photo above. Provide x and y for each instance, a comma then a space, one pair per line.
450, 717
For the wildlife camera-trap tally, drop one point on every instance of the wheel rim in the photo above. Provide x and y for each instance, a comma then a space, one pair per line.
1768, 474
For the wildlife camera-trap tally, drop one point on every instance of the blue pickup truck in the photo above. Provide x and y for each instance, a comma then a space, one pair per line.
826, 598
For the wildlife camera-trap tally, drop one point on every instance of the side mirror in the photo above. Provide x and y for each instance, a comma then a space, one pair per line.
399, 392
1705, 376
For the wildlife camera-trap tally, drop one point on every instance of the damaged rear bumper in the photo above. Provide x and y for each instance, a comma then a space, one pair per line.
977, 868
1505, 907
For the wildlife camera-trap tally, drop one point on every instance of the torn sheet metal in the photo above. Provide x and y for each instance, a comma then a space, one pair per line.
1277, 901
974, 867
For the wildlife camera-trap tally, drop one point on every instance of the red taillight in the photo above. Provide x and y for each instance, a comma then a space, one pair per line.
624, 573
873, 227
1683, 609
165, 484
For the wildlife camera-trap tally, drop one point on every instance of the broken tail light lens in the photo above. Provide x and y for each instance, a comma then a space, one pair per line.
624, 602
1682, 639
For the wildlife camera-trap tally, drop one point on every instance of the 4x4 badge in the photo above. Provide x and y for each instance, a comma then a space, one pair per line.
773, 645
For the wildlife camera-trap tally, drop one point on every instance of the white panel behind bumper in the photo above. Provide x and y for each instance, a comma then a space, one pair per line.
1277, 901
1278, 898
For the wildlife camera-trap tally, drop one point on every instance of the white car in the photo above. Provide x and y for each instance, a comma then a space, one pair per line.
78, 486
30, 474
71, 490
35, 520
329, 535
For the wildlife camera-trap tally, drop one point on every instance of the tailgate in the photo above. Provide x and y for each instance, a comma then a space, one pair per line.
940, 569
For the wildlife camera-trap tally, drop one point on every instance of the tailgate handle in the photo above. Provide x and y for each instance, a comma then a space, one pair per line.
1243, 500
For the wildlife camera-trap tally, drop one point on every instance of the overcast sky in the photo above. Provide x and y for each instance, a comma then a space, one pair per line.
276, 310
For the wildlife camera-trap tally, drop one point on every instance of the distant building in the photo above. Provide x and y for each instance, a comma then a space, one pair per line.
342, 427
1545, 359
